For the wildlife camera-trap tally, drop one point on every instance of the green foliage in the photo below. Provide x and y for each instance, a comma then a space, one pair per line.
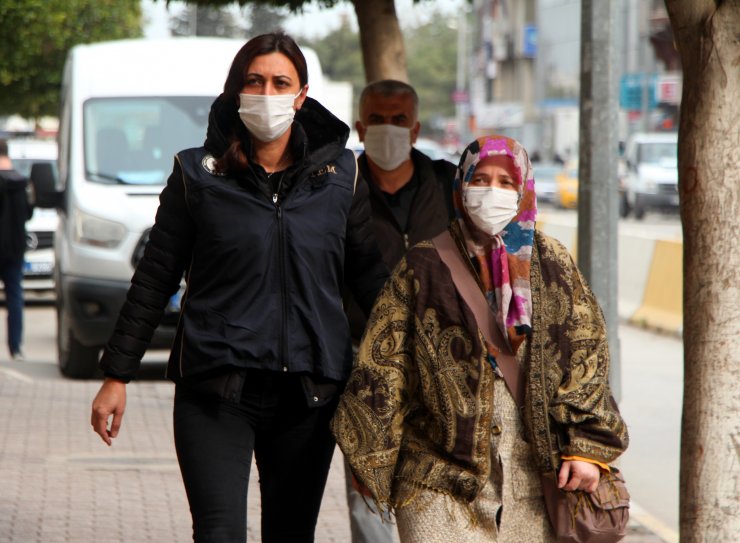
208, 21
431, 56
293, 5
341, 58
263, 18
36, 35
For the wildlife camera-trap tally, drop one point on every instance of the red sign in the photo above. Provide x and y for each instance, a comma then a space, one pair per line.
460, 96
669, 89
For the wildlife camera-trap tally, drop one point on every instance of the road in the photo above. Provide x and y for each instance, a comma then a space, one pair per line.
55, 471
652, 390
656, 224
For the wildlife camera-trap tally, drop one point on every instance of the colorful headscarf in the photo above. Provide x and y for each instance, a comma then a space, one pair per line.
504, 259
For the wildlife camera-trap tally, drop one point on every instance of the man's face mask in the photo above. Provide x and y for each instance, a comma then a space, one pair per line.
388, 145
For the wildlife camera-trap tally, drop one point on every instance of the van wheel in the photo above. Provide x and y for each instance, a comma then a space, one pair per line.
639, 209
624, 206
76, 361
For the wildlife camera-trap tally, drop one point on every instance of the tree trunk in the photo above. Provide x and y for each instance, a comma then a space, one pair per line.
706, 35
383, 53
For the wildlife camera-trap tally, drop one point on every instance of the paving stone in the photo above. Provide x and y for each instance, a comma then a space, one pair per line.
59, 482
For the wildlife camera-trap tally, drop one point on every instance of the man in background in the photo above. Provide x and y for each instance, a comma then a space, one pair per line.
410, 197
15, 210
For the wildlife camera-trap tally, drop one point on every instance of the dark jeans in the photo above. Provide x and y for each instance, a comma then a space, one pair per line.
292, 446
11, 274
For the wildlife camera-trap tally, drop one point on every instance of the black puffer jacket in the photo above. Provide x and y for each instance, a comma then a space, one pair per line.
15, 210
430, 213
264, 272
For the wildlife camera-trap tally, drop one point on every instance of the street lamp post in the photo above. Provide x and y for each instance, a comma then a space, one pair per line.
597, 171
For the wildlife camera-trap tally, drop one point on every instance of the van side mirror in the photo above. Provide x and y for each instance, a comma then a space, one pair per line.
43, 180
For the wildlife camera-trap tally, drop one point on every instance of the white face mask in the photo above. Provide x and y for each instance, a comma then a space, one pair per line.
490, 208
388, 145
267, 116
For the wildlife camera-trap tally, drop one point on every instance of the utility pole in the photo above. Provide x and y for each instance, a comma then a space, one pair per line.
647, 65
597, 170
194, 20
462, 103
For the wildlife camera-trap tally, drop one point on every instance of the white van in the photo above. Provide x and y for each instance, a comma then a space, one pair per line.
127, 107
651, 173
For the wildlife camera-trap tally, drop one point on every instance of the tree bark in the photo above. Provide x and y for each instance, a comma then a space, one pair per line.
383, 52
706, 35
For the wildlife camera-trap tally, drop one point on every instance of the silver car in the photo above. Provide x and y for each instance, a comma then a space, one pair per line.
544, 181
38, 268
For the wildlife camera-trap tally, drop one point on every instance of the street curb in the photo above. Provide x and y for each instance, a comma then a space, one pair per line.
662, 303
649, 276
652, 524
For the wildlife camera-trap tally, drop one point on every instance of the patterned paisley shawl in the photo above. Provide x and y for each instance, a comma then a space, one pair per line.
503, 260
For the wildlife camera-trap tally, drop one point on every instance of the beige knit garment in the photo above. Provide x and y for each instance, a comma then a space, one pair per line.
514, 483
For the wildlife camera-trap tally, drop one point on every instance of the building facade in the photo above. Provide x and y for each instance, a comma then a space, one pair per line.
523, 71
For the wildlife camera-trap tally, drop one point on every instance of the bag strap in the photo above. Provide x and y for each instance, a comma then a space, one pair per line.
468, 289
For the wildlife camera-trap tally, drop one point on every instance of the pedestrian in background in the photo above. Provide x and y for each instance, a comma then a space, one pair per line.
408, 193
15, 210
267, 221
427, 422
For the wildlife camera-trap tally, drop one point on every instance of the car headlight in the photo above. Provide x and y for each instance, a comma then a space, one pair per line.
90, 230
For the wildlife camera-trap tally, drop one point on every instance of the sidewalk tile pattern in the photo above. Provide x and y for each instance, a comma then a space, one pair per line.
60, 483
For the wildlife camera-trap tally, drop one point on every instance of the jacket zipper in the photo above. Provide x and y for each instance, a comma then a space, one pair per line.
182, 308
190, 270
283, 286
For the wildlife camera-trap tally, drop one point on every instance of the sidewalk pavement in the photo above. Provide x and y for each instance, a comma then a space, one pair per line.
60, 483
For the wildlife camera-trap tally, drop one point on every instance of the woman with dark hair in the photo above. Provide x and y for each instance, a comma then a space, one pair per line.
267, 221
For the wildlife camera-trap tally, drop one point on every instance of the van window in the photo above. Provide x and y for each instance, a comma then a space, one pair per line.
133, 140
662, 153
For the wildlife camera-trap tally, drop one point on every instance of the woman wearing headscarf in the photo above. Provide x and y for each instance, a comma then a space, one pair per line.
427, 422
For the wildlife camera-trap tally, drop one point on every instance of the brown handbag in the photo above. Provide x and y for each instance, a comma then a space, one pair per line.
576, 516
581, 517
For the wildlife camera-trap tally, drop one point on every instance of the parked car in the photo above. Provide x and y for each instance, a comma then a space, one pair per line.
38, 268
544, 179
651, 178
435, 151
567, 186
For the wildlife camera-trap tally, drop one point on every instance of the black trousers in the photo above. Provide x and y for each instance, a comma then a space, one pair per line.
292, 446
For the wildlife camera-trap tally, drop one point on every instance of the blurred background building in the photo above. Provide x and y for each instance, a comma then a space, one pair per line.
521, 71
516, 71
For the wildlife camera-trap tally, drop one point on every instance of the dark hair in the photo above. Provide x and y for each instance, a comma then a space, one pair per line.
234, 159
387, 88
3, 147
274, 42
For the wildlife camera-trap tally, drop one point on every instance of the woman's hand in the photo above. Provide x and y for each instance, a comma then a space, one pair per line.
578, 475
110, 400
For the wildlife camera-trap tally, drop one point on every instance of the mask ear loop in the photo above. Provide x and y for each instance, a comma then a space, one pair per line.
304, 87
